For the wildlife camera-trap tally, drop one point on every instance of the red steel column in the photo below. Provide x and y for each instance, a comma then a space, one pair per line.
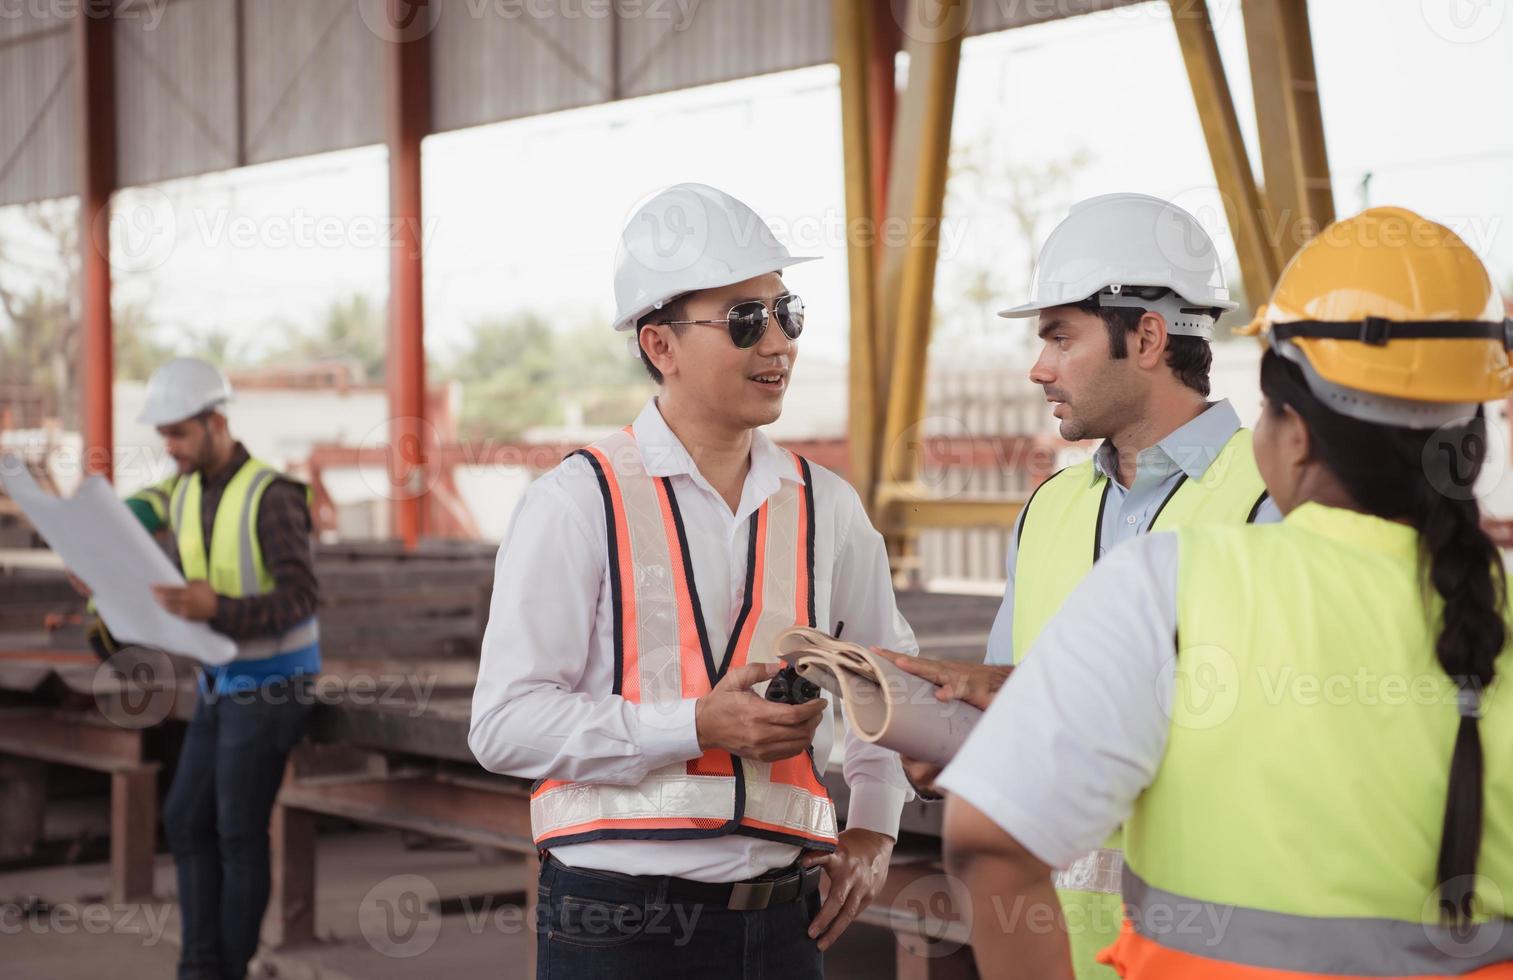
96, 136
407, 84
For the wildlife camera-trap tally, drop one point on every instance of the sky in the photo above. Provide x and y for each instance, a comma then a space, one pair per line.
524, 216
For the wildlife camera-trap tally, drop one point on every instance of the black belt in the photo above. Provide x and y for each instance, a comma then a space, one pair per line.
773, 888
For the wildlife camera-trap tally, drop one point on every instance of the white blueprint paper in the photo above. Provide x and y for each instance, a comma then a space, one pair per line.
102, 543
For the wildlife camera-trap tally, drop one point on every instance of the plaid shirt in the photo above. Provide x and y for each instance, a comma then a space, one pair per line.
283, 532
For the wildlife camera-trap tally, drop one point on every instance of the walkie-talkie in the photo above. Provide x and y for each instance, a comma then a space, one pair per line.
789, 687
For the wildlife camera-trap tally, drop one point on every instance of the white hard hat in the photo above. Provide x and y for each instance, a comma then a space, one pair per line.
1110, 243
182, 389
686, 238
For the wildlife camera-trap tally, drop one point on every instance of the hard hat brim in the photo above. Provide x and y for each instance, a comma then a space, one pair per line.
627, 320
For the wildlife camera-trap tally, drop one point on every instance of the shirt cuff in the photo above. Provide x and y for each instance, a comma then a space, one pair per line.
876, 806
669, 732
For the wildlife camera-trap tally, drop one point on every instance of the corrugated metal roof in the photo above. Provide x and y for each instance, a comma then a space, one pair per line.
204, 85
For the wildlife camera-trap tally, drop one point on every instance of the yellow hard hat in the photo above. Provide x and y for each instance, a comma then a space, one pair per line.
1395, 307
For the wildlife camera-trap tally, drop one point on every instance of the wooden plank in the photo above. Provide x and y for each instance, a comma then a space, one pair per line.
133, 832
69, 739
23, 787
290, 919
425, 804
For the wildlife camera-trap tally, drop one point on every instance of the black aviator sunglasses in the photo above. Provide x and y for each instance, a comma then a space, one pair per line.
747, 322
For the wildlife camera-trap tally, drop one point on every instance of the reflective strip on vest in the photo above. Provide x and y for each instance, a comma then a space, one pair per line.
1174, 936
663, 656
233, 562
1099, 871
1293, 827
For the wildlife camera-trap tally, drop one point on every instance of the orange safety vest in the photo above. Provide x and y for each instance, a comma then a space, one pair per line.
662, 656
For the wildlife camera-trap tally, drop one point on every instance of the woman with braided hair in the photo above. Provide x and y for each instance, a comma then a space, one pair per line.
1298, 724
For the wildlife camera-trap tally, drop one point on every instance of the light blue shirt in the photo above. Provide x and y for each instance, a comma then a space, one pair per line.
1189, 450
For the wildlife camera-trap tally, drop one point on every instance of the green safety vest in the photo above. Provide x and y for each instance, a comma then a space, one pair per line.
1058, 544
150, 504
233, 564
1296, 818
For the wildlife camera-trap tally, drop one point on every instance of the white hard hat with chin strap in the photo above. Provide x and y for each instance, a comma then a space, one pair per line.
1135, 251
687, 238
183, 388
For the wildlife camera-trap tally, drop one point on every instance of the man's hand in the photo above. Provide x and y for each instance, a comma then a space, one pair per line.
856, 873
733, 718
193, 600
973, 683
922, 776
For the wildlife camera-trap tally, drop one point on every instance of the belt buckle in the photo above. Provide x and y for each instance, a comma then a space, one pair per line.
750, 896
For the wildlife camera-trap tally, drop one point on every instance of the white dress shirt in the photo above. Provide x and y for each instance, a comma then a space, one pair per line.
543, 707
1080, 728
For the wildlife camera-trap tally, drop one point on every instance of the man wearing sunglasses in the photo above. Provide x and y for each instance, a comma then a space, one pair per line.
684, 826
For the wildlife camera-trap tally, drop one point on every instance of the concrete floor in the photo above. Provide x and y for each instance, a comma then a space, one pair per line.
369, 881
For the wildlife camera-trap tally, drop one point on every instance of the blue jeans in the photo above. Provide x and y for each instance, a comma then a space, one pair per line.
592, 927
216, 819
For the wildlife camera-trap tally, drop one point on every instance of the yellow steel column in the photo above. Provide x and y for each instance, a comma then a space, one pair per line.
1293, 157
933, 36
853, 42
1259, 263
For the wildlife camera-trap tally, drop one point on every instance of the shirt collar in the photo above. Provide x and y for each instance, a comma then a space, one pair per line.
1192, 448
663, 453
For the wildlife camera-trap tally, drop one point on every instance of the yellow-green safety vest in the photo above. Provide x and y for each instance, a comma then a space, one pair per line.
1293, 828
1059, 540
233, 564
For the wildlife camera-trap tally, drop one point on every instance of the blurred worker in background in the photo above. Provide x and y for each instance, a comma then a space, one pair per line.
242, 533
1273, 831
636, 598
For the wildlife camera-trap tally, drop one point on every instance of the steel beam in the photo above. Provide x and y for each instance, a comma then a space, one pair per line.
934, 35
903, 508
1243, 206
855, 26
1288, 120
96, 136
407, 88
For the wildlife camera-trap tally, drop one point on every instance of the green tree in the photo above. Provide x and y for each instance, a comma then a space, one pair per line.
352, 329
518, 372
41, 330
